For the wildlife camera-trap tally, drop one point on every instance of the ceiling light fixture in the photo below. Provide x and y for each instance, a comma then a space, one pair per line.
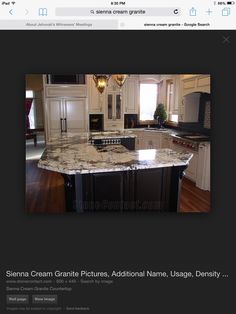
101, 81
120, 79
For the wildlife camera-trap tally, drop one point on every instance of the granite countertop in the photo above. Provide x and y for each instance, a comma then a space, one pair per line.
73, 154
112, 134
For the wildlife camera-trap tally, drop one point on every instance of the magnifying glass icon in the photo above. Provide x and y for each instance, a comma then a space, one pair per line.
92, 11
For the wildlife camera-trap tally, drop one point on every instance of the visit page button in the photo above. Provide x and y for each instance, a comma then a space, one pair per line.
17, 299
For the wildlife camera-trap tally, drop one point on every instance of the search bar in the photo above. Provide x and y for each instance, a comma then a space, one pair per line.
165, 11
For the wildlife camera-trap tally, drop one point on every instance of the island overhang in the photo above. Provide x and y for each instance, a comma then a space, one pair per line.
76, 155
113, 178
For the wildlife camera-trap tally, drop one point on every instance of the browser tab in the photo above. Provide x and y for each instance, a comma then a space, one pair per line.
129, 14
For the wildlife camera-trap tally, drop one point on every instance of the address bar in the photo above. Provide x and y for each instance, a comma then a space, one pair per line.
163, 11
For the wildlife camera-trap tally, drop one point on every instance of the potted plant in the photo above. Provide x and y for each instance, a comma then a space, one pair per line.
160, 115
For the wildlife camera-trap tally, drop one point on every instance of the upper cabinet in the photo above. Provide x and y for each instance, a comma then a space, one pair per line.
114, 101
96, 100
196, 83
114, 111
131, 94
66, 91
190, 88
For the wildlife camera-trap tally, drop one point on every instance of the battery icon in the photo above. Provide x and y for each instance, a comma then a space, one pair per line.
230, 2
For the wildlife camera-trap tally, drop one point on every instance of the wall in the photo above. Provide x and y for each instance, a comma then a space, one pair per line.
34, 82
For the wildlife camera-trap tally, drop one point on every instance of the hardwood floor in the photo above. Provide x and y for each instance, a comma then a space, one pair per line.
45, 192
194, 199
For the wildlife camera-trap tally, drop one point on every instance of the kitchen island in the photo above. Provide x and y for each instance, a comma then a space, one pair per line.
110, 177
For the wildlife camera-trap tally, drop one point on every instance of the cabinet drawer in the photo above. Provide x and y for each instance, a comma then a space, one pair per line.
66, 91
114, 125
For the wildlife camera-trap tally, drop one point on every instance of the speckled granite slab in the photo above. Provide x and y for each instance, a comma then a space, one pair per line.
73, 154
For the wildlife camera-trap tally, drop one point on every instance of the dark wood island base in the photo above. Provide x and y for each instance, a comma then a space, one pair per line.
133, 190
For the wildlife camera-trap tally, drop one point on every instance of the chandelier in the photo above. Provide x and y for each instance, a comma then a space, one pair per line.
101, 80
119, 79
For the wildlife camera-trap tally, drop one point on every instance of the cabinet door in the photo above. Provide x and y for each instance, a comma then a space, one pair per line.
108, 191
165, 143
191, 171
109, 108
95, 98
75, 111
114, 107
156, 140
117, 107
131, 95
151, 140
114, 115
54, 116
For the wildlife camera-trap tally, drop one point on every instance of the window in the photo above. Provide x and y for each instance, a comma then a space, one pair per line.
30, 94
170, 105
148, 100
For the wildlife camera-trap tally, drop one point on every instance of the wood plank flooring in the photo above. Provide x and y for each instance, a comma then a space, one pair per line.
44, 190
45, 193
193, 199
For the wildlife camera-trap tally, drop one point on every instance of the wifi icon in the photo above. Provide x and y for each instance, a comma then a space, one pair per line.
13, 2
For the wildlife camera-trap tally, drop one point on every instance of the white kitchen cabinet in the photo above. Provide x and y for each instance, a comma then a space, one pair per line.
96, 100
65, 115
190, 89
151, 140
203, 169
197, 83
166, 140
155, 140
113, 112
138, 139
54, 116
64, 90
140, 143
131, 95
191, 171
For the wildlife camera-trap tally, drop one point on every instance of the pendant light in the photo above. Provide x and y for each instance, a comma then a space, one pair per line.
120, 79
101, 81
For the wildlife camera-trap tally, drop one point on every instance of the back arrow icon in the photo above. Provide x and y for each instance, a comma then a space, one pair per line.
11, 11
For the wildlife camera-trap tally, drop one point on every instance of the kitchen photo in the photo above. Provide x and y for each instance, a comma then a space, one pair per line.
117, 143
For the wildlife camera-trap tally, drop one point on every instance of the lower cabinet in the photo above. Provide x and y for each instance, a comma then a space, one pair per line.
166, 141
152, 140
133, 190
191, 171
